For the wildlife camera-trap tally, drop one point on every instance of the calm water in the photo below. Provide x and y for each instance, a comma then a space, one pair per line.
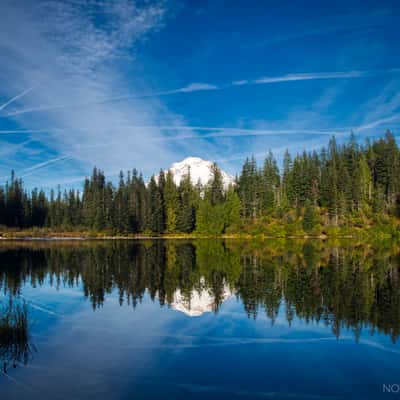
202, 320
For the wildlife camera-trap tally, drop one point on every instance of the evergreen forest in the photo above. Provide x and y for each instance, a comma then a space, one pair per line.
342, 189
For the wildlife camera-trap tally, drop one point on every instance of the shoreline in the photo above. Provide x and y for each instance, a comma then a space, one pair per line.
329, 233
81, 238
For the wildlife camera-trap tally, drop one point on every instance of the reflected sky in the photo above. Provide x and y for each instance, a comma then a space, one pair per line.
149, 349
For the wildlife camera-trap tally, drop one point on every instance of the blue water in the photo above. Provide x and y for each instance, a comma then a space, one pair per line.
151, 351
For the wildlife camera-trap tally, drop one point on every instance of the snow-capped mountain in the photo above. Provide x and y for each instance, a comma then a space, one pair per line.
200, 171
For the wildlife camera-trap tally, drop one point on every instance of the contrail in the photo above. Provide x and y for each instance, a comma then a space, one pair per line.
374, 124
193, 87
203, 86
218, 131
18, 96
10, 131
235, 341
29, 171
232, 132
39, 306
215, 132
10, 148
307, 77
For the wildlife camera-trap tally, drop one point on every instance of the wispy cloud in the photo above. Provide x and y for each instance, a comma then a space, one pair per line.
77, 54
61, 48
195, 87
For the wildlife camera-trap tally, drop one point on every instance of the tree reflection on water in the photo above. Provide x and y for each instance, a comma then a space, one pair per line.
341, 286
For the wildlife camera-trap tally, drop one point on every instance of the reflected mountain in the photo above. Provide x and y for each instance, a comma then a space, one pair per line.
199, 301
354, 287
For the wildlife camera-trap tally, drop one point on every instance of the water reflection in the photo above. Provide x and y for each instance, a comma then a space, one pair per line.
342, 287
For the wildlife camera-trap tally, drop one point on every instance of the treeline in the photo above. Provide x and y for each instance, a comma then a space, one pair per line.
348, 185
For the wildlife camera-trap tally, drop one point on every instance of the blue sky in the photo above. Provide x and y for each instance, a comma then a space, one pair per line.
145, 83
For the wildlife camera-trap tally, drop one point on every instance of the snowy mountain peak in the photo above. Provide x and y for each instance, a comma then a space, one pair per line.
200, 171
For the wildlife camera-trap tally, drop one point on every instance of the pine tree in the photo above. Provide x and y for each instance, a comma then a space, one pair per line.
232, 211
310, 216
14, 202
210, 218
287, 191
249, 189
86, 206
108, 204
332, 182
392, 165
38, 208
121, 210
137, 203
187, 201
155, 208
378, 200
170, 195
27, 211
2, 207
216, 188
270, 181
361, 183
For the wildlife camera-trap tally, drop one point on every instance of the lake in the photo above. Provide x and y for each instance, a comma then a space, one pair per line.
204, 319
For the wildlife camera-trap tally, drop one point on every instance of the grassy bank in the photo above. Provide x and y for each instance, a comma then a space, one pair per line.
277, 231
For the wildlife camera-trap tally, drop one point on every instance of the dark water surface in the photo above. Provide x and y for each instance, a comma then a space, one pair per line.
202, 320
